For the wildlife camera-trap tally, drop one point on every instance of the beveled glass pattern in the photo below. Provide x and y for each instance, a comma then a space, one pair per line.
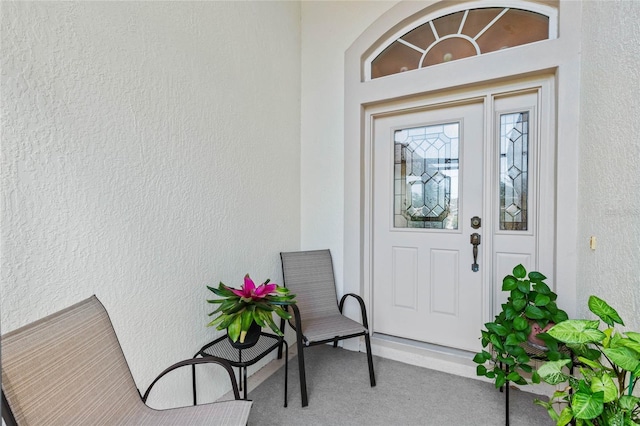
460, 35
514, 159
426, 161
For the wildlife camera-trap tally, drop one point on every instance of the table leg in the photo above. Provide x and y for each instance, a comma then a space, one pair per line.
286, 371
193, 376
506, 393
245, 382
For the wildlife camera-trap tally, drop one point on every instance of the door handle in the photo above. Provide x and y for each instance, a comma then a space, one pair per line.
475, 241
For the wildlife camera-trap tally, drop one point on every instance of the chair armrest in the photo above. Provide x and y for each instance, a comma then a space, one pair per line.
298, 321
363, 309
194, 361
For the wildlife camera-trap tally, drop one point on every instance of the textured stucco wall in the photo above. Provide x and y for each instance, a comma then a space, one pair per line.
609, 196
148, 149
328, 29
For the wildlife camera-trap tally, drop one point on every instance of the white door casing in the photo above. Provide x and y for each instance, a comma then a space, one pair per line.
559, 58
422, 285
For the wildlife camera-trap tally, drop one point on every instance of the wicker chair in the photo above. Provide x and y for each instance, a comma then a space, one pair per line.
69, 369
317, 316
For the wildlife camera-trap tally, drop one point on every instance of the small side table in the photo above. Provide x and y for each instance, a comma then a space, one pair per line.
243, 358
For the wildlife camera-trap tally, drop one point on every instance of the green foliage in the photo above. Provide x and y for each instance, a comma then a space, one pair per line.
609, 367
240, 308
530, 300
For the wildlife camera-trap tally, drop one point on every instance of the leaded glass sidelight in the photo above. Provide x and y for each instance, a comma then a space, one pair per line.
426, 176
514, 158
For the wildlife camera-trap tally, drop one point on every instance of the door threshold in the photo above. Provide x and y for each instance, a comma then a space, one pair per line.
435, 357
440, 358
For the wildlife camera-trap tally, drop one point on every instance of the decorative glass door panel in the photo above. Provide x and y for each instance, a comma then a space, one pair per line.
514, 159
426, 176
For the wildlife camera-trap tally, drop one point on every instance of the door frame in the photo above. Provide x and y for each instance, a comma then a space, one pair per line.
559, 57
542, 200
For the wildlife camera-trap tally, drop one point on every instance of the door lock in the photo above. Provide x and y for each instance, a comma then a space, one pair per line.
475, 241
476, 222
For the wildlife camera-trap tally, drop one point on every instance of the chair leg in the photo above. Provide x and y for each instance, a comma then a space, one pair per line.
282, 325
372, 376
303, 378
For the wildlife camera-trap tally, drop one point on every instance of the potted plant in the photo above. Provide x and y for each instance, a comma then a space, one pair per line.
246, 310
531, 303
609, 367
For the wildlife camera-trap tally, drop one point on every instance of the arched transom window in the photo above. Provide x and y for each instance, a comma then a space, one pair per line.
459, 35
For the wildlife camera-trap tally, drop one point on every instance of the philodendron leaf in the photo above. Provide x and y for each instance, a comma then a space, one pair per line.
533, 312
549, 407
577, 331
540, 287
520, 323
536, 277
509, 283
535, 377
604, 311
482, 357
498, 329
628, 402
514, 376
587, 406
512, 340
541, 300
524, 286
551, 371
519, 304
501, 378
624, 358
559, 316
605, 384
519, 272
633, 336
509, 312
481, 370
628, 343
593, 364
566, 415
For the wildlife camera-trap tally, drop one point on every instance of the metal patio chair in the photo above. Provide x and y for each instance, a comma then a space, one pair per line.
317, 316
69, 369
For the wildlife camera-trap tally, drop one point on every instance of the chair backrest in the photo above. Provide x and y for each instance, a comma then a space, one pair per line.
68, 368
309, 275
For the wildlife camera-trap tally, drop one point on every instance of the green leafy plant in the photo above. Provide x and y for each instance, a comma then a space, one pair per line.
530, 301
609, 367
239, 308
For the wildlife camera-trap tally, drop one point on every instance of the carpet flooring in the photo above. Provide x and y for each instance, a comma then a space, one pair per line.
340, 394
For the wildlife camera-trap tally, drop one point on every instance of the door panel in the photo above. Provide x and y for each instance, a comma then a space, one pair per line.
435, 164
422, 224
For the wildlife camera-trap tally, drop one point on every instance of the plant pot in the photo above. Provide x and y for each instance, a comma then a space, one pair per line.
535, 330
251, 338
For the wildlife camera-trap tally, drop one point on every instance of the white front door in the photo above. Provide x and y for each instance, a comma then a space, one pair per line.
446, 175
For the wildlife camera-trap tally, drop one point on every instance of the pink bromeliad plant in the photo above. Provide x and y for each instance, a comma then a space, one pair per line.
239, 308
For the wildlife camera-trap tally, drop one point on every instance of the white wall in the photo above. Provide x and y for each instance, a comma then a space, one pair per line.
148, 149
328, 29
609, 198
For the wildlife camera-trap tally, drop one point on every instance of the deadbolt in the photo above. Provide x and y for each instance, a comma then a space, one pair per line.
476, 222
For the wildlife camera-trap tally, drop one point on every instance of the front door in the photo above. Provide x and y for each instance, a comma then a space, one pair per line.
452, 208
